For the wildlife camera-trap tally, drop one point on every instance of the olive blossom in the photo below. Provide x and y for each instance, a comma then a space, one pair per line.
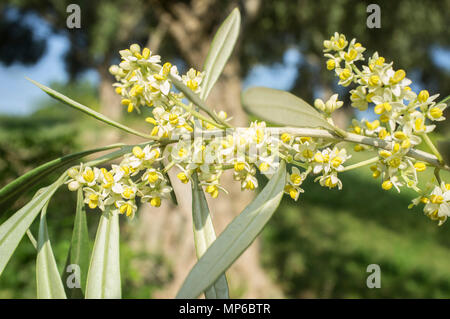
404, 118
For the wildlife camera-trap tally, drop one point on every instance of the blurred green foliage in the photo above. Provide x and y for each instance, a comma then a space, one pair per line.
51, 131
320, 247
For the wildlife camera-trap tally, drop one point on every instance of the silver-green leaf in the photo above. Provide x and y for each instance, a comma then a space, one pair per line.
15, 227
103, 280
204, 236
282, 108
79, 251
16, 187
221, 47
236, 237
48, 280
83, 108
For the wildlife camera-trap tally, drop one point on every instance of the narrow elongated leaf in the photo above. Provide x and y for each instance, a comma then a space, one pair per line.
193, 97
204, 236
48, 281
15, 227
173, 196
221, 48
282, 108
79, 249
83, 108
235, 239
103, 280
28, 179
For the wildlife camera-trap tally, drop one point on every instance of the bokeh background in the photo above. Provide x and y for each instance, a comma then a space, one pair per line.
318, 247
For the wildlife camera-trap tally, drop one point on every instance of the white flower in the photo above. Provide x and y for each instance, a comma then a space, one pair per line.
438, 204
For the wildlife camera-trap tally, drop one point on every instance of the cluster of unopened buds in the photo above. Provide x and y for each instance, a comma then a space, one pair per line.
198, 146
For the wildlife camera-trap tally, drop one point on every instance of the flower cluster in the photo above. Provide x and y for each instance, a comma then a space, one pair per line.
437, 203
201, 147
142, 81
138, 175
404, 117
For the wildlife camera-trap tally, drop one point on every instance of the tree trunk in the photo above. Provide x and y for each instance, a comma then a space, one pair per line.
109, 100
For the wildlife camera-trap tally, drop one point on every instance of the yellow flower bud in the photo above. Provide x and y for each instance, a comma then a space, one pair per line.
351, 55
264, 167
296, 179
88, 175
182, 177
331, 64
387, 185
150, 120
435, 112
128, 193
125, 101
398, 76
400, 135
155, 201
285, 137
146, 53
135, 48
152, 177
293, 193
423, 96
138, 152
374, 80
420, 166
130, 107
345, 74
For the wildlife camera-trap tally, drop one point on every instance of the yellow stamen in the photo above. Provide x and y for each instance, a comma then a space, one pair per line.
152, 177
387, 185
435, 112
398, 76
182, 177
296, 179
436, 199
155, 201
331, 64
138, 152
423, 96
285, 137
420, 166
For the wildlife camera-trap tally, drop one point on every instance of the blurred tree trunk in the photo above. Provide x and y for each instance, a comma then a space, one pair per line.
109, 100
168, 229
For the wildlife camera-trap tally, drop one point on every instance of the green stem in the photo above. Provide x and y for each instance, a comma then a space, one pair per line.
168, 166
32, 239
357, 71
361, 164
292, 161
433, 148
195, 113
438, 176
445, 100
